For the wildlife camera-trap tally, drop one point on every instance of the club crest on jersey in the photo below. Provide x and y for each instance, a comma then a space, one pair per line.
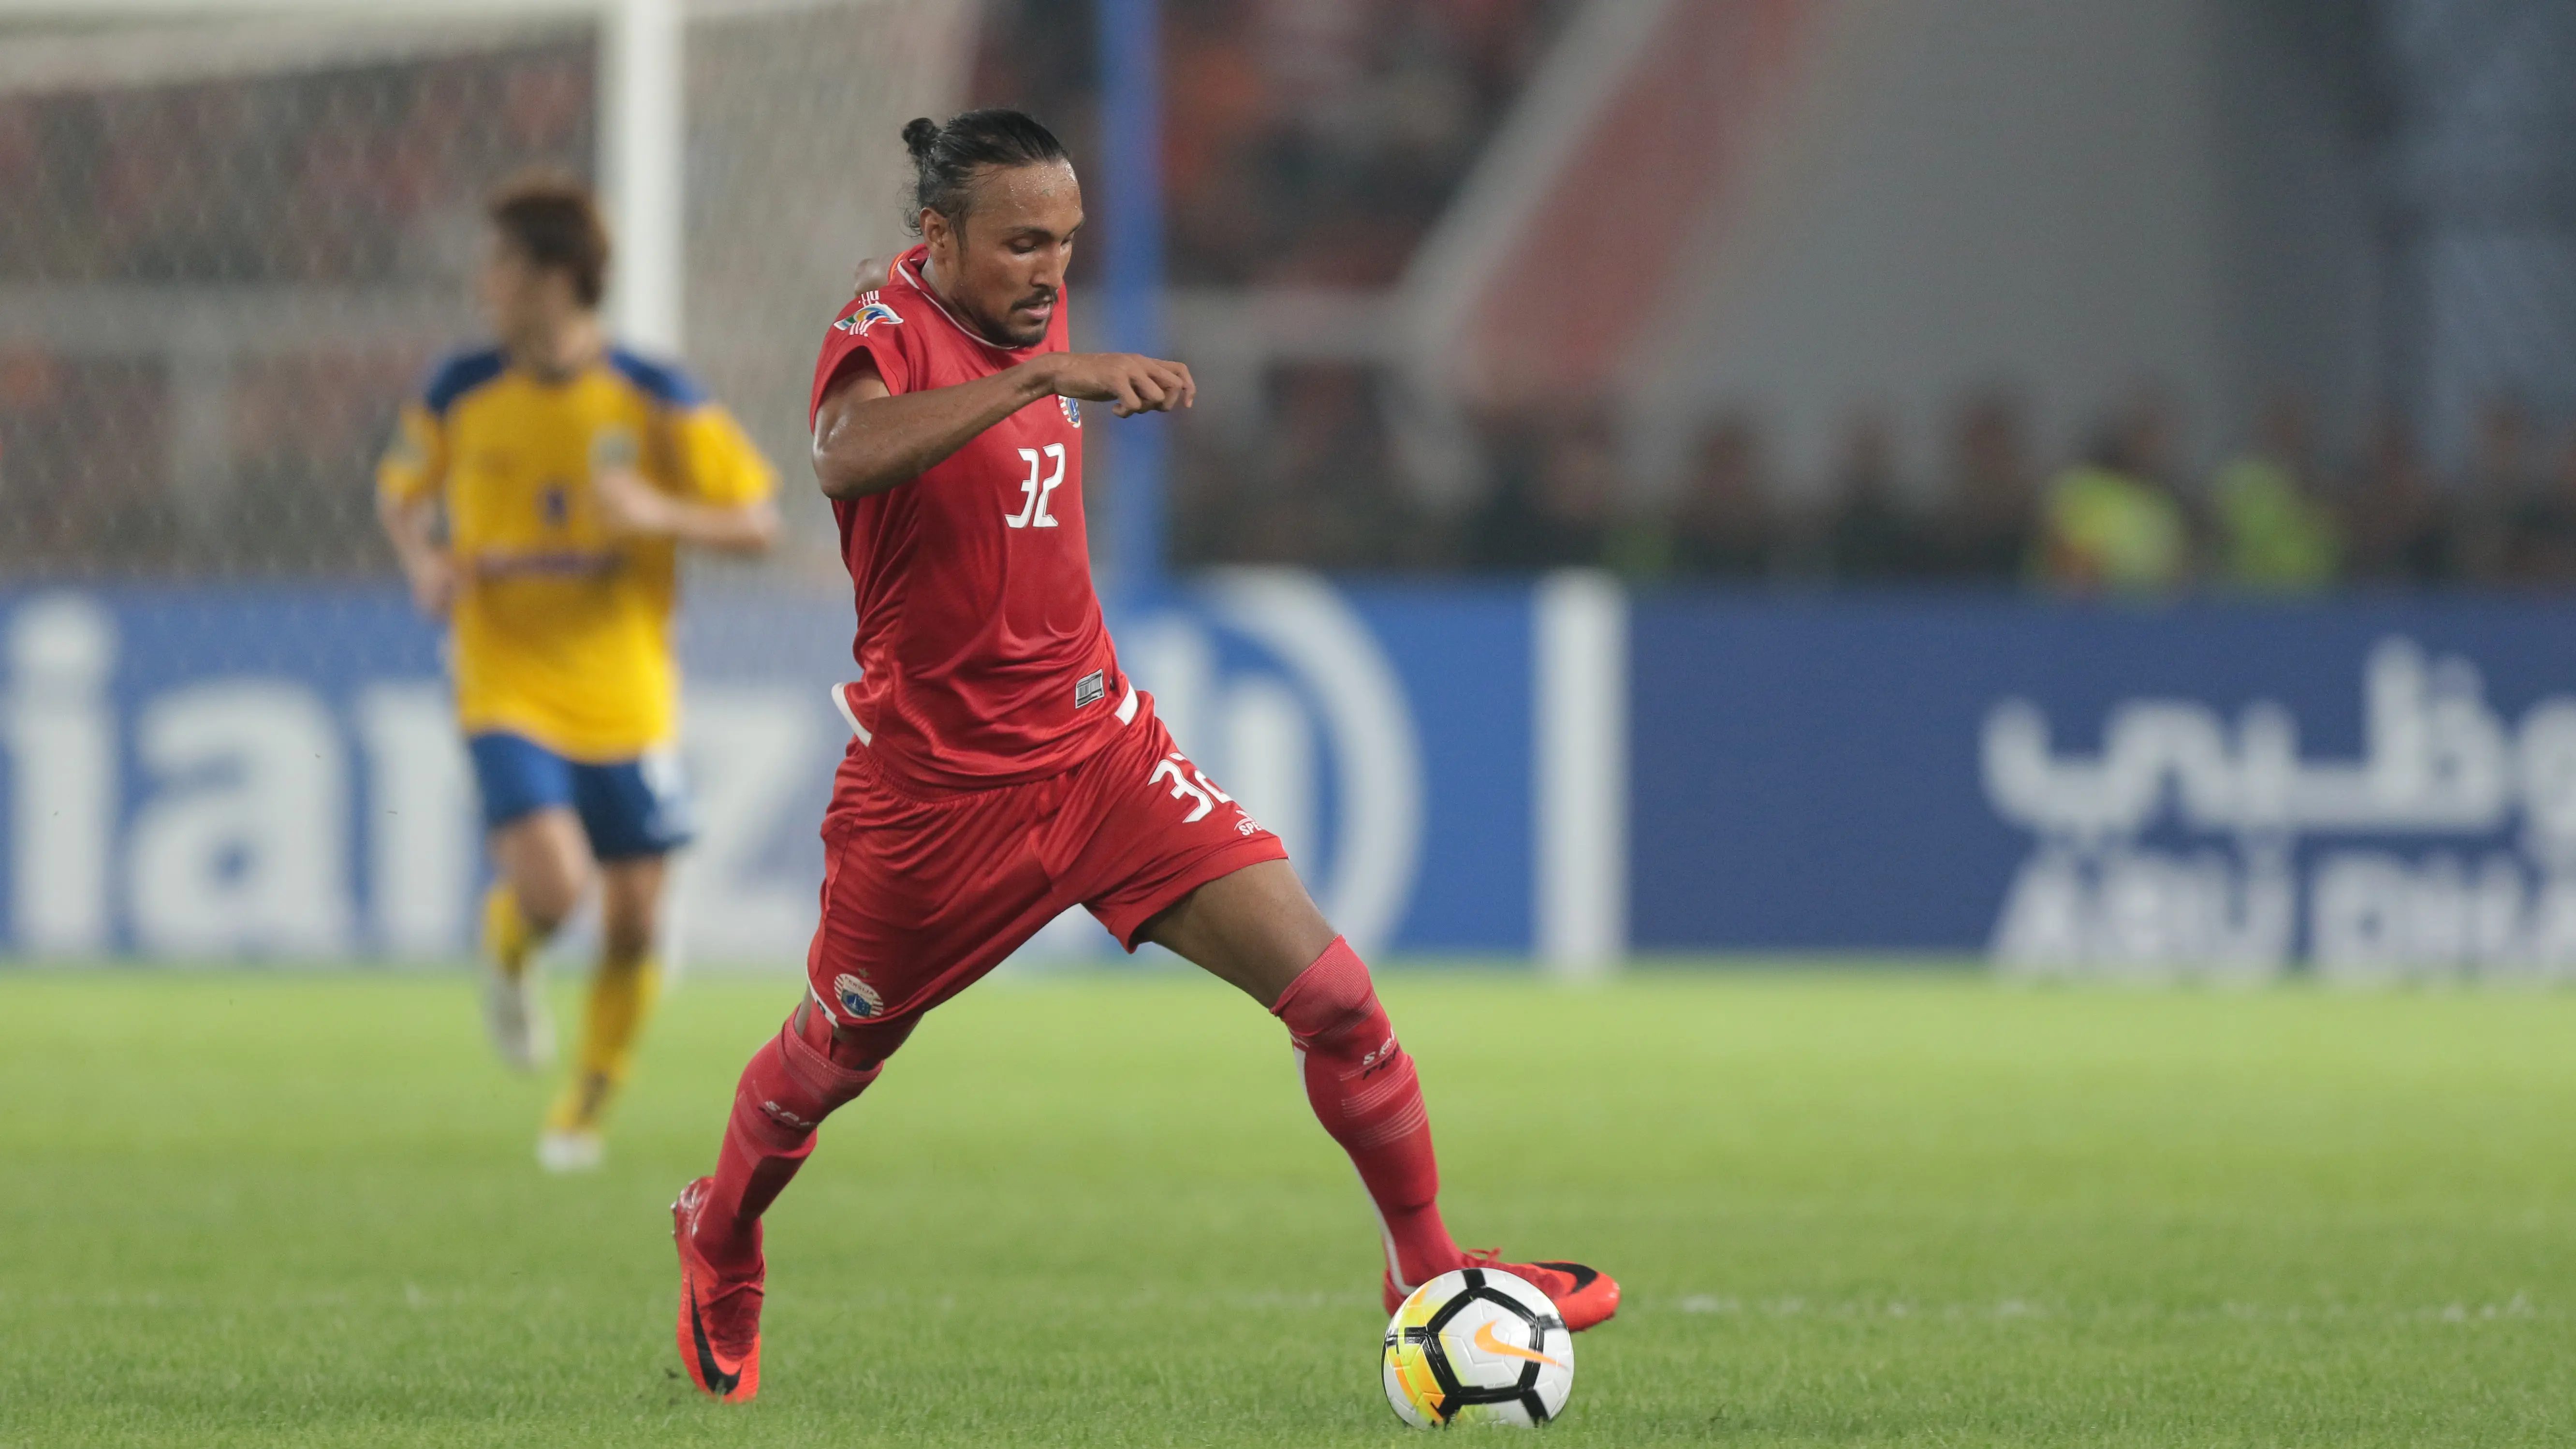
857, 997
1072, 410
870, 313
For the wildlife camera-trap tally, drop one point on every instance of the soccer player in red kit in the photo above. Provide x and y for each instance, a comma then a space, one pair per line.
1002, 768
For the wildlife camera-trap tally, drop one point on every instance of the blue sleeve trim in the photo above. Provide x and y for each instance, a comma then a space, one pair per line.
457, 375
664, 382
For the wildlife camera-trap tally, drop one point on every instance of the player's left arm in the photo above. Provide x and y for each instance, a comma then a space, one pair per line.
729, 502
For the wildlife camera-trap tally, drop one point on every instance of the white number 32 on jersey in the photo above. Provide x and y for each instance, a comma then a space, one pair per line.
1039, 487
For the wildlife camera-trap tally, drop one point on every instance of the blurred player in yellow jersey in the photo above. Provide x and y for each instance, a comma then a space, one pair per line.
537, 494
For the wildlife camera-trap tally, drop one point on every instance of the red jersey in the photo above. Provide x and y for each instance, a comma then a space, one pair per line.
983, 659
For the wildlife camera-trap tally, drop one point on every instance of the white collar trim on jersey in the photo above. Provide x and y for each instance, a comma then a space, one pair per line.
921, 284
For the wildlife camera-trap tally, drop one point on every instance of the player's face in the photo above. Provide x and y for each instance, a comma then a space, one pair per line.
521, 301
1003, 267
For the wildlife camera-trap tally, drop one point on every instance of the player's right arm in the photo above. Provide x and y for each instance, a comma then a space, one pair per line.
408, 482
411, 525
867, 438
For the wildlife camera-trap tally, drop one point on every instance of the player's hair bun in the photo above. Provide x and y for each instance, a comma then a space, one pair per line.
947, 159
919, 137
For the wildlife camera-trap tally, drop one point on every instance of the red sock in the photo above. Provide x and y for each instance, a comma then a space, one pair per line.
1363, 1088
789, 1087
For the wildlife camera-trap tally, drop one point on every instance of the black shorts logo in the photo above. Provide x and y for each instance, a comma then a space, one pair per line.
1091, 689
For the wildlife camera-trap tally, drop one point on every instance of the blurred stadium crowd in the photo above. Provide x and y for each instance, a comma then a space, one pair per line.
1307, 146
1318, 145
1304, 143
2288, 511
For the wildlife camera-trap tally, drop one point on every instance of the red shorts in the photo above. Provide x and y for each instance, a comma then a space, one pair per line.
926, 888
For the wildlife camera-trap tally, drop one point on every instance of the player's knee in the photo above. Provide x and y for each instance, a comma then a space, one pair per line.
791, 1085
1330, 999
547, 898
547, 864
858, 1047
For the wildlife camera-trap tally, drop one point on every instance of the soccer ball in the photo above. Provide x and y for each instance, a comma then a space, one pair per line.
1478, 1347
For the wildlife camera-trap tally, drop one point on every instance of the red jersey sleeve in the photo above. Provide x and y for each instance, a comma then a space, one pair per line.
869, 327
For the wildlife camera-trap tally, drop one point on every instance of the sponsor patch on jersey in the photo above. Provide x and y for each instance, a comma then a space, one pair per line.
1091, 689
870, 313
563, 563
613, 447
857, 997
1072, 410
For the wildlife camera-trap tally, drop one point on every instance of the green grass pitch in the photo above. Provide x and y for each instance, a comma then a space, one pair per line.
244, 1209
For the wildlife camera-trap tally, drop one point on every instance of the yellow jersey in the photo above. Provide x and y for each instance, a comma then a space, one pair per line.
561, 631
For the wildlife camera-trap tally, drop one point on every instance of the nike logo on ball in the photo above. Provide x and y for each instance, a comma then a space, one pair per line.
1486, 1340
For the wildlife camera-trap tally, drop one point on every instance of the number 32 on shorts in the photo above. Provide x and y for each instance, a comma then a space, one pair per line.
1189, 782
